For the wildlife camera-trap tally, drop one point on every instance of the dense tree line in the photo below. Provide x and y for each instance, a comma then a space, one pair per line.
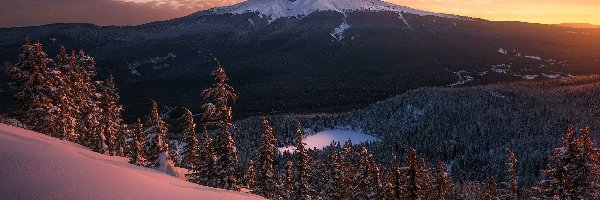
59, 97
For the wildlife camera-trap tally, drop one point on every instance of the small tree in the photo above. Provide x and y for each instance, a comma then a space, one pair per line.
156, 135
137, 143
203, 172
191, 157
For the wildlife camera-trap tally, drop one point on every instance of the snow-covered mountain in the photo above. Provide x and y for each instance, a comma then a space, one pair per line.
347, 57
275, 9
37, 166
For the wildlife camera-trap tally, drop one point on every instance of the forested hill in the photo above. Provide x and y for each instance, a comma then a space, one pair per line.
467, 128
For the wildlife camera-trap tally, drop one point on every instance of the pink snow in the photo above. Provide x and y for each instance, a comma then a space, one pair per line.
36, 166
323, 139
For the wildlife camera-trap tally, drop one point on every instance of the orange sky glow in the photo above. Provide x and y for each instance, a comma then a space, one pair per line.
536, 11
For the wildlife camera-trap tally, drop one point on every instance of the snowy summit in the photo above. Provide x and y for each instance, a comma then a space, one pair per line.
275, 9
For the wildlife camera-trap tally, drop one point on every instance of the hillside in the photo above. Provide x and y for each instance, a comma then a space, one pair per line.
466, 128
36, 166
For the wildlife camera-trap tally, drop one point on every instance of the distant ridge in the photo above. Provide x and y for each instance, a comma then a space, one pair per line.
579, 25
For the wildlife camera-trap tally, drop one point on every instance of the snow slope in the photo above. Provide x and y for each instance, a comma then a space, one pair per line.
36, 166
275, 9
323, 139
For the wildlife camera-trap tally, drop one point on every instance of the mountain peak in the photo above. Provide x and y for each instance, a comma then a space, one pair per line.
275, 9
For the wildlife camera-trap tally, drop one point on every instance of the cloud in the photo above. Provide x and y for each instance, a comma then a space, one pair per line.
100, 12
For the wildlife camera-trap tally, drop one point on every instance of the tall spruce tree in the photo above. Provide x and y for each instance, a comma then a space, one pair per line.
511, 191
301, 170
111, 120
218, 116
348, 170
34, 89
265, 170
415, 183
191, 156
393, 185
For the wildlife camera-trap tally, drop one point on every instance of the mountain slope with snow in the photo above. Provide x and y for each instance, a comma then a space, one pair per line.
36, 166
275, 9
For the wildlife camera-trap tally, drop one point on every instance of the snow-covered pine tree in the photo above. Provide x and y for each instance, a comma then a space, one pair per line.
122, 149
250, 176
511, 191
288, 181
218, 116
191, 156
568, 172
80, 70
442, 188
33, 88
156, 139
332, 189
111, 120
393, 184
137, 144
301, 170
368, 177
416, 171
490, 189
348, 170
265, 170
590, 185
203, 173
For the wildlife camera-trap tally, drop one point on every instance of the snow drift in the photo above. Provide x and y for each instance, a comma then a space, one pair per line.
36, 166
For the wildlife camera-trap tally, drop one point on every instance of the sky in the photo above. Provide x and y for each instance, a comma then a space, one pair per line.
131, 12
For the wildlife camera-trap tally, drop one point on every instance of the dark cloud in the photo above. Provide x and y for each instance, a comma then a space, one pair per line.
100, 12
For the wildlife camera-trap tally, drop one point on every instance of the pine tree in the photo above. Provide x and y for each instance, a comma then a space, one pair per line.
250, 177
191, 157
156, 135
111, 120
122, 149
348, 170
573, 169
590, 170
218, 115
301, 170
511, 184
265, 171
393, 184
203, 172
368, 177
443, 183
416, 171
490, 189
34, 88
137, 143
332, 189
288, 182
